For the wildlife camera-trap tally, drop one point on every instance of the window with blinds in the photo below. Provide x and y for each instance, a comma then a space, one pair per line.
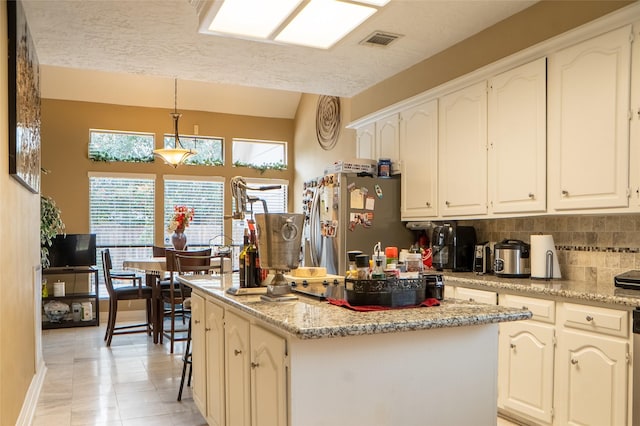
121, 214
206, 196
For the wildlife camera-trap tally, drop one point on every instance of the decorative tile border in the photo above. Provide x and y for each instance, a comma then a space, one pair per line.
599, 249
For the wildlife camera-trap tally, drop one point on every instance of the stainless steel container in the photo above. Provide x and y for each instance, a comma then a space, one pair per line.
279, 238
511, 259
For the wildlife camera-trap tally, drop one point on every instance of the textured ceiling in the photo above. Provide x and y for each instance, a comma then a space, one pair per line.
160, 39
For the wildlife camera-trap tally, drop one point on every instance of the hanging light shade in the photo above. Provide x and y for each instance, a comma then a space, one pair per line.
177, 155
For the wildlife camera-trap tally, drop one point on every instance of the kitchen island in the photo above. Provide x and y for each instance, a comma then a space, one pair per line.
307, 362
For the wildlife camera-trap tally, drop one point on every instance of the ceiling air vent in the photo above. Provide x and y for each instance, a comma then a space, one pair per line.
379, 38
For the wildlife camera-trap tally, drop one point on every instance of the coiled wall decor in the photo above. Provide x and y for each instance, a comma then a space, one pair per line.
328, 121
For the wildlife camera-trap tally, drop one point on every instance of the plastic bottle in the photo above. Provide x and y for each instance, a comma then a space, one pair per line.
392, 257
241, 258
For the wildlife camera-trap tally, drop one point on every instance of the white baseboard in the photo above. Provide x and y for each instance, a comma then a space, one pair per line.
31, 399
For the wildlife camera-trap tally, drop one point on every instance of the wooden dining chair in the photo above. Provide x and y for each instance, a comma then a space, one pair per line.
132, 290
194, 265
173, 297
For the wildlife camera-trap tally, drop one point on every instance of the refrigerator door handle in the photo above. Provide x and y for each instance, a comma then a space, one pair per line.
314, 228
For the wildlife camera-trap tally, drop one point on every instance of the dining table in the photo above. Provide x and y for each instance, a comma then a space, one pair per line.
155, 268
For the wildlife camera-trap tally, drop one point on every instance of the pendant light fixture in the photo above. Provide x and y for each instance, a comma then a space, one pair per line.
175, 156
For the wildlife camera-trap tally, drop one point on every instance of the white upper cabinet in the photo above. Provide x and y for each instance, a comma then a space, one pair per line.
588, 121
388, 141
366, 142
518, 140
462, 146
419, 160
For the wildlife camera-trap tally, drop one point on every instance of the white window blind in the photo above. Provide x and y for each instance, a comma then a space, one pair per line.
121, 214
206, 196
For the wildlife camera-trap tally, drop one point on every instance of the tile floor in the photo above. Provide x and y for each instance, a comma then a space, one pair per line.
134, 382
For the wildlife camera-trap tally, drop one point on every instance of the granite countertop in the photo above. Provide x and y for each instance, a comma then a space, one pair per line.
577, 291
309, 318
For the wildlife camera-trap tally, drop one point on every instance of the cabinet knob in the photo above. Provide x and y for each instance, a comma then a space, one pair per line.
471, 299
565, 193
254, 365
428, 204
196, 321
525, 308
574, 361
236, 352
532, 195
513, 346
446, 203
207, 329
589, 318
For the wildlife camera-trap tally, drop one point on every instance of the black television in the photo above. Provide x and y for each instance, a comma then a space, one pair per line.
72, 250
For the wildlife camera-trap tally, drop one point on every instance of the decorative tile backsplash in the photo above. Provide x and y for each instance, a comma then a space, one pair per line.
590, 248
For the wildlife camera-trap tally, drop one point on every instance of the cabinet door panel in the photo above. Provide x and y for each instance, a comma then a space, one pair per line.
592, 379
199, 356
526, 369
268, 390
215, 364
589, 86
462, 147
366, 142
387, 141
238, 377
419, 158
518, 140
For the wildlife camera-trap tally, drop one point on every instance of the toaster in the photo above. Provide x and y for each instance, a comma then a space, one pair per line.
482, 262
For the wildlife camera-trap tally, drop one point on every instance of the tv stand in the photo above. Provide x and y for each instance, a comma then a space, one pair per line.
72, 295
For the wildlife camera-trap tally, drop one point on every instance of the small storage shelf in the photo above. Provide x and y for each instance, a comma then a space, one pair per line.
91, 294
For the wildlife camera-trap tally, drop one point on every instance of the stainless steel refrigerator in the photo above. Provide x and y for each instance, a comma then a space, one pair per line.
347, 212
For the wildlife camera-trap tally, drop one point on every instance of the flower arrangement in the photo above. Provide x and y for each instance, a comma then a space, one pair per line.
182, 215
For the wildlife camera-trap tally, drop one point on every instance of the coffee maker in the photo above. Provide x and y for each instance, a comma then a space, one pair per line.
452, 247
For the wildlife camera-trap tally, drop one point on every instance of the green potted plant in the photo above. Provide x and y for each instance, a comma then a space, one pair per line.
50, 225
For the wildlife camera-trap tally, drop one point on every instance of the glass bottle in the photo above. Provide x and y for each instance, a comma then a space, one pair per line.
251, 271
241, 258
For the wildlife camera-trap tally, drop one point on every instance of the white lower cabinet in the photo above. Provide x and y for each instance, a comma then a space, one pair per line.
592, 370
526, 356
239, 368
480, 296
583, 379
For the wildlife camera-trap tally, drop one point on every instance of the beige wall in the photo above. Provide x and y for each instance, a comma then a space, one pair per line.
533, 25
65, 136
19, 255
311, 158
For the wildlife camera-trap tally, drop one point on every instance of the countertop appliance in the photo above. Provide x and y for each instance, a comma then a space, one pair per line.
348, 212
629, 280
511, 259
452, 247
482, 262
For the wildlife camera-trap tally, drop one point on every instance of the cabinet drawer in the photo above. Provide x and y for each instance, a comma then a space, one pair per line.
543, 310
601, 320
480, 296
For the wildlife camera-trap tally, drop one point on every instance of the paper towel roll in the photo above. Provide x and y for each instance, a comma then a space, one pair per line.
540, 245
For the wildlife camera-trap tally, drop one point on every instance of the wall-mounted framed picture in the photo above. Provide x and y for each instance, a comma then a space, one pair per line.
24, 100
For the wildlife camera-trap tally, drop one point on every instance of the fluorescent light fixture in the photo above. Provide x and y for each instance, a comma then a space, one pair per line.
323, 22
378, 3
312, 23
252, 18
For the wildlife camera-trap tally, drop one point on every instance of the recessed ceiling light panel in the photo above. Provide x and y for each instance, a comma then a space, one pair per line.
252, 18
323, 22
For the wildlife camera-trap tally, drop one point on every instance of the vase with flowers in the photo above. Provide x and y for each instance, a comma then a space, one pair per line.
182, 216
